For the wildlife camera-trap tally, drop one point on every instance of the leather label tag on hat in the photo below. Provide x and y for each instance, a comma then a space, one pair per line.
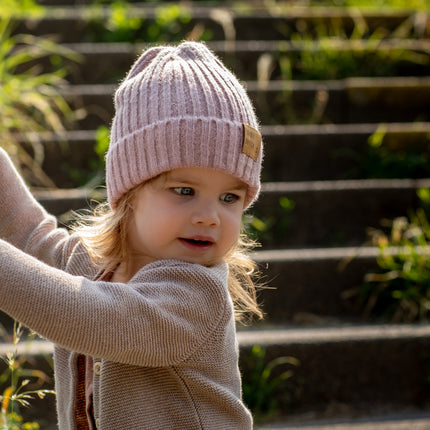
251, 142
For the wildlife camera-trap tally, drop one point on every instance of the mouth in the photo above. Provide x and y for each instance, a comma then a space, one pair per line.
200, 243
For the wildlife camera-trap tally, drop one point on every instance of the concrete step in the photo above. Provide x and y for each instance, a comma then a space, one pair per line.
80, 22
292, 152
108, 62
341, 151
365, 369
331, 213
417, 420
346, 101
343, 372
309, 287
351, 100
298, 214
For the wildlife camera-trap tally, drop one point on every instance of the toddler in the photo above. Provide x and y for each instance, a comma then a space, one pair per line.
141, 303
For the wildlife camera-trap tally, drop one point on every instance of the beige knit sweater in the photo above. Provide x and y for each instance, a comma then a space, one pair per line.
164, 343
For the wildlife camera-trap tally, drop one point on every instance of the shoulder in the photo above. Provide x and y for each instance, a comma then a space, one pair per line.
183, 271
184, 280
217, 272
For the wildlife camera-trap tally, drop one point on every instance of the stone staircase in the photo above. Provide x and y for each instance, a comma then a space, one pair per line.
318, 199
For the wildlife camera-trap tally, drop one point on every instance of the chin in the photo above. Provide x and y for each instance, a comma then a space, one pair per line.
214, 262
207, 263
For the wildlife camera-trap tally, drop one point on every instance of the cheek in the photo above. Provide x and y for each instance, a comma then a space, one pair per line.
156, 222
234, 226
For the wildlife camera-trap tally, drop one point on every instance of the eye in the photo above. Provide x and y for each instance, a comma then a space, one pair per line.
229, 198
183, 191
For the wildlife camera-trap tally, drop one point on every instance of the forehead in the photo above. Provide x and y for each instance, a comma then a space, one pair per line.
196, 175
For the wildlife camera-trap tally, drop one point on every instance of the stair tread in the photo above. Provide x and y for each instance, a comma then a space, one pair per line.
202, 8
269, 187
395, 82
329, 334
258, 46
279, 130
396, 421
312, 254
280, 336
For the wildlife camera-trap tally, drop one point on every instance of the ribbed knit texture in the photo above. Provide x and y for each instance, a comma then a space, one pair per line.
179, 107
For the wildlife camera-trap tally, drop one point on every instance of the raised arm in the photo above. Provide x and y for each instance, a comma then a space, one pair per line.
161, 317
24, 222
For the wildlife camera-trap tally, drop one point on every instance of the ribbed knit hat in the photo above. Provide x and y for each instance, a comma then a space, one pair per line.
180, 107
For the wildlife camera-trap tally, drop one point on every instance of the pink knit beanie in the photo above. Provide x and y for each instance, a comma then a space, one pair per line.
180, 107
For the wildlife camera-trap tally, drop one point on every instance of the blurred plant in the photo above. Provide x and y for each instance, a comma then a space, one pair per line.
100, 148
264, 384
329, 51
21, 9
30, 100
102, 144
91, 175
117, 25
123, 22
168, 21
383, 160
15, 395
400, 288
407, 4
270, 230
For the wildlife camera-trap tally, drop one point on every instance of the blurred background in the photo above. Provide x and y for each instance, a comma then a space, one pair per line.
342, 91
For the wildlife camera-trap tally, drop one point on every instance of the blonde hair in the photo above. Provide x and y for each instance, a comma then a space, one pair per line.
241, 285
104, 235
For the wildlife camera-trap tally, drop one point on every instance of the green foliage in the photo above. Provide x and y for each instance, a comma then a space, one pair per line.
118, 25
100, 148
385, 160
20, 8
122, 22
407, 4
270, 230
264, 384
330, 51
400, 288
30, 100
91, 175
16, 395
30, 105
168, 21
102, 143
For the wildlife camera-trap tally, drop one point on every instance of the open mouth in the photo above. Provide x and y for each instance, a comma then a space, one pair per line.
196, 243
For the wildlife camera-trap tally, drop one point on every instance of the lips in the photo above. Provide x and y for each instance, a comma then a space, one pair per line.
197, 242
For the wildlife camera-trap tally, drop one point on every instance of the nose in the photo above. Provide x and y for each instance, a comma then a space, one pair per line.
205, 213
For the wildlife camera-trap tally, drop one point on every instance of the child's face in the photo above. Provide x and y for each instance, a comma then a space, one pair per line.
190, 214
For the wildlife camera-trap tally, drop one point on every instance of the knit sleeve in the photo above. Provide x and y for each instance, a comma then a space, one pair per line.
161, 317
24, 222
